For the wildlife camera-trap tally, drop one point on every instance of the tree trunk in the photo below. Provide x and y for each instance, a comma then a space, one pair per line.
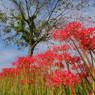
32, 44
30, 51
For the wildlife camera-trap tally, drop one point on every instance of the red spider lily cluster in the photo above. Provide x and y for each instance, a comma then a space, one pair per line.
76, 31
66, 77
63, 64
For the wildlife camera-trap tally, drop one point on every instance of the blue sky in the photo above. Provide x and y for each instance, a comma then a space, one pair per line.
10, 53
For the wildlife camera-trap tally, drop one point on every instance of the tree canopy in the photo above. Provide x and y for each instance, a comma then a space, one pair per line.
28, 22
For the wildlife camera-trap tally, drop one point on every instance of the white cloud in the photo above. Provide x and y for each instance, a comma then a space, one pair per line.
9, 55
7, 65
6, 55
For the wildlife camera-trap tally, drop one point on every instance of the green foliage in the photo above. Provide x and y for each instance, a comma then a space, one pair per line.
18, 28
3, 17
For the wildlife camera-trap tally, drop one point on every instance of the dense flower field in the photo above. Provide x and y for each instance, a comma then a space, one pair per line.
66, 69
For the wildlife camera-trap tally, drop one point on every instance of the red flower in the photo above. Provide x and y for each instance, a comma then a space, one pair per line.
29, 81
66, 77
26, 81
10, 72
79, 66
22, 81
2, 75
12, 84
59, 35
59, 64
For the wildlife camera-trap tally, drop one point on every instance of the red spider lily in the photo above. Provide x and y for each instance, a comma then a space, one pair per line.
60, 35
22, 81
56, 48
10, 72
29, 81
74, 59
65, 77
45, 59
71, 29
26, 81
59, 64
2, 75
11, 84
23, 64
85, 36
24, 60
63, 56
13, 63
78, 66
64, 47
